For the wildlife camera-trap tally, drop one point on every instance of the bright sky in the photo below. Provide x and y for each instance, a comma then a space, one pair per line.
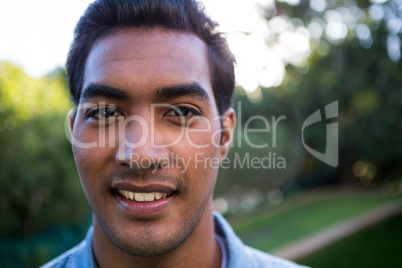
36, 35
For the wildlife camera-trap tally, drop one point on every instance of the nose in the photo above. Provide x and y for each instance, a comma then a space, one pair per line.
137, 149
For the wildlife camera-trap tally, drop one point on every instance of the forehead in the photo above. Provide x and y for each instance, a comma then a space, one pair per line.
142, 61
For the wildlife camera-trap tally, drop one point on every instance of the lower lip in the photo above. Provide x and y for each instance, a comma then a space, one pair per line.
144, 209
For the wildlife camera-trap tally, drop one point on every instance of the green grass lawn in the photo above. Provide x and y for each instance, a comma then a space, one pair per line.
377, 246
268, 230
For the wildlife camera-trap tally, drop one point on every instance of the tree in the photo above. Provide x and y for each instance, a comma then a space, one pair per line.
39, 185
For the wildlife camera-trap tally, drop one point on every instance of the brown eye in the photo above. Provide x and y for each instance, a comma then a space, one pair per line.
106, 112
181, 112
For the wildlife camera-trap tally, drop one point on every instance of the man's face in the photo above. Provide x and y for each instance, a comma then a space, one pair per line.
143, 90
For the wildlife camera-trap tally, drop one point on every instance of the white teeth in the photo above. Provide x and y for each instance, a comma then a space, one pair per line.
142, 197
149, 197
125, 194
139, 197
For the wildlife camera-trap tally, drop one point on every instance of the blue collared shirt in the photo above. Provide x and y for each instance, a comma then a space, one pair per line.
238, 254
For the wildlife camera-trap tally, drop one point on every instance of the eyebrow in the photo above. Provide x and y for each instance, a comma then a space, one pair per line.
192, 90
96, 90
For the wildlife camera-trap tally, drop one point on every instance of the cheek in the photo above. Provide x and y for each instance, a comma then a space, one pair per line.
89, 142
91, 160
85, 167
206, 134
92, 165
89, 137
201, 166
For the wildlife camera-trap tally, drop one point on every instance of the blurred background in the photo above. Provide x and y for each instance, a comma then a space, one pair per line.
294, 57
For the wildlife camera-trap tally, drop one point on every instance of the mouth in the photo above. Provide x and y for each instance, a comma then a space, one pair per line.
144, 200
144, 197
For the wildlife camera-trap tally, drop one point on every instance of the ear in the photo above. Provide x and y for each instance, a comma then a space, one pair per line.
71, 118
228, 127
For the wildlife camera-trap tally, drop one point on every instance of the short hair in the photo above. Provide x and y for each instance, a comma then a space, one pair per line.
103, 17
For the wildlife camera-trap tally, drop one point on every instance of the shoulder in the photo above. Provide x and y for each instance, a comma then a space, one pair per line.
78, 256
243, 256
258, 258
64, 259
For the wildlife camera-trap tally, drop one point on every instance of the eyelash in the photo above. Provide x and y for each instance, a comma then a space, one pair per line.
178, 112
92, 113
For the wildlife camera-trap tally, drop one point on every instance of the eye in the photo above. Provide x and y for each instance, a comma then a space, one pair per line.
181, 112
106, 112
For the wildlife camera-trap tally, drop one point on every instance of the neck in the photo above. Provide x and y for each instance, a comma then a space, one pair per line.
200, 249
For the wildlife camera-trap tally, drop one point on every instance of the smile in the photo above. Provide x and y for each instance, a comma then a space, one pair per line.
144, 200
144, 197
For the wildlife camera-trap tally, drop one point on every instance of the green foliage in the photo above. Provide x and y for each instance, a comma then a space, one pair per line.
39, 184
276, 146
361, 74
365, 80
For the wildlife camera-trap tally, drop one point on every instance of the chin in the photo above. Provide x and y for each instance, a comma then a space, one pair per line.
150, 238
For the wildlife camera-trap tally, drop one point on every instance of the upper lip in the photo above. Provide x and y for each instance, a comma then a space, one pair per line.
145, 188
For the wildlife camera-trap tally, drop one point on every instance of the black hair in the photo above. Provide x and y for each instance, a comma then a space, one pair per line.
103, 17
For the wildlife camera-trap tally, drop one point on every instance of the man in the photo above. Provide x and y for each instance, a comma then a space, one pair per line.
152, 83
